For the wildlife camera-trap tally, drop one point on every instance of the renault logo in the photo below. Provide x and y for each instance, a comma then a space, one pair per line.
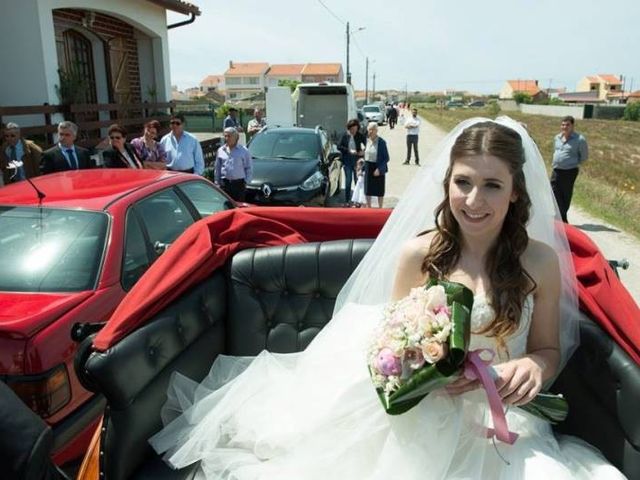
266, 190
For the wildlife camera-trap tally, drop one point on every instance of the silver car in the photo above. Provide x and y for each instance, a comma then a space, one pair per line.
374, 113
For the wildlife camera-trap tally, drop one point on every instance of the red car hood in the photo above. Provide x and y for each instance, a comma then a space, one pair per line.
23, 314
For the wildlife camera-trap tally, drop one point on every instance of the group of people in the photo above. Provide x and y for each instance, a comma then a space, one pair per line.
364, 159
178, 150
365, 164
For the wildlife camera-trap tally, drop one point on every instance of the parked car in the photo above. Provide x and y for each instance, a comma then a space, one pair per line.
477, 104
374, 113
293, 166
228, 308
71, 256
455, 104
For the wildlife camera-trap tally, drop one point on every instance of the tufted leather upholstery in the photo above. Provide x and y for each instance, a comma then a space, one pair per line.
602, 385
279, 298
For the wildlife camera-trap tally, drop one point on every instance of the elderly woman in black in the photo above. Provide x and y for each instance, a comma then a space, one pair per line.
376, 158
120, 154
351, 145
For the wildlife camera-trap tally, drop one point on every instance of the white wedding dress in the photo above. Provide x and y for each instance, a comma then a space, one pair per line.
316, 415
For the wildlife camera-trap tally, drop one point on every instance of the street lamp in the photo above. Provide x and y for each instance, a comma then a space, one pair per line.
348, 40
366, 82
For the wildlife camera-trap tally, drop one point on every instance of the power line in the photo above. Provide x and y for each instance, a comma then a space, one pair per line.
358, 47
331, 12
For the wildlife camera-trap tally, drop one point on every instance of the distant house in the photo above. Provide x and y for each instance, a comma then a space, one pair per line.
118, 50
454, 95
581, 97
323, 72
245, 80
512, 87
286, 71
633, 97
212, 83
608, 87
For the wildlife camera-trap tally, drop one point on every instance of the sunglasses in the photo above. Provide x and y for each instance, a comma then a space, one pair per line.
175, 122
116, 138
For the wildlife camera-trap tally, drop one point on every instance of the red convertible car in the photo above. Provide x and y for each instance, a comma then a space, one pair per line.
257, 278
72, 244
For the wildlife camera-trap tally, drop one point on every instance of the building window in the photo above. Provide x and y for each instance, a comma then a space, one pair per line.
253, 80
233, 81
77, 61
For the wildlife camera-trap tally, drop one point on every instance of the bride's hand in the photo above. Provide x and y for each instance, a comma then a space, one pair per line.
519, 381
461, 385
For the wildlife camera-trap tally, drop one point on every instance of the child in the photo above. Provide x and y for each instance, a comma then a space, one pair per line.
357, 198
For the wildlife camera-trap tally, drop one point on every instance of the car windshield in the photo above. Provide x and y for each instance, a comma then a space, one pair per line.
285, 145
372, 108
50, 250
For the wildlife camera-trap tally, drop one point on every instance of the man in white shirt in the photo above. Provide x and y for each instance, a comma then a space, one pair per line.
413, 128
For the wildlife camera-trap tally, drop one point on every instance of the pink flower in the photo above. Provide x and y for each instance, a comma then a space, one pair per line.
414, 358
443, 309
434, 351
387, 363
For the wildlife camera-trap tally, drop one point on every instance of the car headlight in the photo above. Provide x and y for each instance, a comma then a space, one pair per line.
313, 182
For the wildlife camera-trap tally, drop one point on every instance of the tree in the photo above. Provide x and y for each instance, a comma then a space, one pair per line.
522, 97
632, 111
292, 84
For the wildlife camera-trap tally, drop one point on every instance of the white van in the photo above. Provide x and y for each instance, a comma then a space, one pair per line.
330, 105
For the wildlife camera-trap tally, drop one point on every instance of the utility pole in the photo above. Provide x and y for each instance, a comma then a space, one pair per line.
348, 71
374, 85
366, 82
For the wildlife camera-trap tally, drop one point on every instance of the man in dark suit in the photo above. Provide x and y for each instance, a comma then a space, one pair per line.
65, 155
16, 148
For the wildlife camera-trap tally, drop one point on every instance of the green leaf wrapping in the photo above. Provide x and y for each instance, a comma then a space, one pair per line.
431, 377
548, 406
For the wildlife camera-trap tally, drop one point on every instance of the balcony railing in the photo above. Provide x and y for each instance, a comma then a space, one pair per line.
131, 116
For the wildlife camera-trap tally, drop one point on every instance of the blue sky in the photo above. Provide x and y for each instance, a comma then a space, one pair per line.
427, 45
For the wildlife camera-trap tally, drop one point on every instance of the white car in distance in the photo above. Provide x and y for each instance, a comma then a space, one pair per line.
374, 114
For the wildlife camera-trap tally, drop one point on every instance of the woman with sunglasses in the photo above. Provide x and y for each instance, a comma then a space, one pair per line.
120, 154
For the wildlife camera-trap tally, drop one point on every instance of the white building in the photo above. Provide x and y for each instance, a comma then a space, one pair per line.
117, 49
245, 79
287, 71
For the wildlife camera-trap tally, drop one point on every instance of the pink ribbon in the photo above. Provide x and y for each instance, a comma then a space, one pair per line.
477, 368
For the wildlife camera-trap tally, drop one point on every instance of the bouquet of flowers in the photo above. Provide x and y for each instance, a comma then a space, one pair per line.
423, 342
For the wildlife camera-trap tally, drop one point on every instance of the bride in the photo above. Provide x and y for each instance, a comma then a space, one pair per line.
316, 415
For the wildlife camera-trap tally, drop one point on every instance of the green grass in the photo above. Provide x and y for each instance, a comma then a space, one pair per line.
608, 186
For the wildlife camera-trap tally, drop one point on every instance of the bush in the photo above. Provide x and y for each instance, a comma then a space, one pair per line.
632, 111
494, 108
522, 97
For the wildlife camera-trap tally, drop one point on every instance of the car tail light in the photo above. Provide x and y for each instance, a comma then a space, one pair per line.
46, 393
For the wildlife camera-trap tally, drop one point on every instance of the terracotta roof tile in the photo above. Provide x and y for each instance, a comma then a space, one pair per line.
247, 68
212, 80
610, 79
321, 69
286, 69
526, 86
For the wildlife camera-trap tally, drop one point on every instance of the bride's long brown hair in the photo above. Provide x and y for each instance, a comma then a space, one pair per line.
510, 282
